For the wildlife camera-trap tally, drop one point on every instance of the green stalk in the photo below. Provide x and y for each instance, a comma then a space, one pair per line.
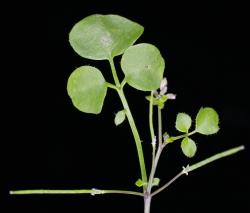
112, 86
174, 138
148, 196
114, 73
135, 134
158, 153
159, 126
151, 125
214, 158
73, 191
151, 128
195, 166
131, 123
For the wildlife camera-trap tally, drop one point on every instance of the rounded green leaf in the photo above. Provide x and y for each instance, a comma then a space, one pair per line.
183, 122
87, 89
120, 117
143, 67
102, 37
188, 147
207, 121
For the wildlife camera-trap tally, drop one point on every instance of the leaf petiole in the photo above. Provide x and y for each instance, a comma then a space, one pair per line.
123, 83
174, 138
112, 86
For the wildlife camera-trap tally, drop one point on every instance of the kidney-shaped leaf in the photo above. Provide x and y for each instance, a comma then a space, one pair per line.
87, 89
102, 37
143, 67
207, 121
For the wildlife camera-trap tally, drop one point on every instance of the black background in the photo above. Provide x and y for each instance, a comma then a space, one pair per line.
47, 143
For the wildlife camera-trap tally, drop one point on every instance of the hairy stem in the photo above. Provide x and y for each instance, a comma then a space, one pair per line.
73, 191
198, 165
131, 123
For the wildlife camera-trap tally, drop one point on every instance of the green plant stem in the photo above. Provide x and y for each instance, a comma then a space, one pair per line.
131, 123
188, 169
114, 73
123, 83
174, 138
167, 184
151, 127
215, 157
159, 126
151, 124
148, 196
154, 167
136, 136
74, 191
112, 86
158, 153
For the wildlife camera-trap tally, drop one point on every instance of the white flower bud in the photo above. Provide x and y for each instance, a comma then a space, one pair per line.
163, 84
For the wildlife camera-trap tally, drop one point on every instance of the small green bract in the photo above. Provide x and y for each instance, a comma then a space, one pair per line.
120, 117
